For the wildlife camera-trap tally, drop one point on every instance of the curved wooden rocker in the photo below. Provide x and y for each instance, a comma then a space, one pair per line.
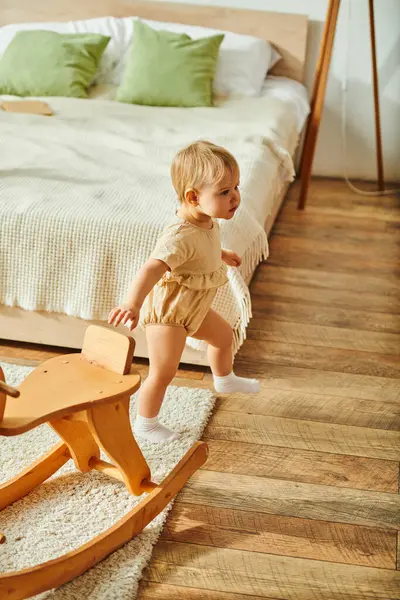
85, 399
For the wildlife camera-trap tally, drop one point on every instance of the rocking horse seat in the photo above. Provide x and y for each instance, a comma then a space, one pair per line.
62, 386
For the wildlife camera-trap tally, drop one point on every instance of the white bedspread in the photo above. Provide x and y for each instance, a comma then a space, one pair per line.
85, 194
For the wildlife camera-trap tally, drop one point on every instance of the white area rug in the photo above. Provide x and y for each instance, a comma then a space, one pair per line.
71, 507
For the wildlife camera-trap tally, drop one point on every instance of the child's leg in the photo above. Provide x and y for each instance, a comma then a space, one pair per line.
218, 334
165, 345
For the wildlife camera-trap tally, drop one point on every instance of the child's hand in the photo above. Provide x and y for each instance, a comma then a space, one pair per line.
231, 258
123, 314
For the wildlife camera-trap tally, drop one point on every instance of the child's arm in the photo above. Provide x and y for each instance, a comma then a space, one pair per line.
231, 258
145, 280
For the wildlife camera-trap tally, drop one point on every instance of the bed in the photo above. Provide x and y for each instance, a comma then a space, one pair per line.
77, 222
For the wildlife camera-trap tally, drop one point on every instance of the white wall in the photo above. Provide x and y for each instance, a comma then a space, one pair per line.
361, 157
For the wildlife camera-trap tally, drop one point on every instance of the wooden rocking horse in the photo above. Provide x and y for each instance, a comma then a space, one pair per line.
85, 399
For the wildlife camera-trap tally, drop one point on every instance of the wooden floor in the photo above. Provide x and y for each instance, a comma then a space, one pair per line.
299, 499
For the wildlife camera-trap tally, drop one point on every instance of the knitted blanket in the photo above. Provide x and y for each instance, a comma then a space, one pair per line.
85, 194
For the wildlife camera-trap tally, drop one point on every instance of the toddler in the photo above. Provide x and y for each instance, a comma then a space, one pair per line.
180, 280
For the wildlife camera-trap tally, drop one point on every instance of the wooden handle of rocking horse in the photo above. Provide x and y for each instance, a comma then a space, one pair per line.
10, 391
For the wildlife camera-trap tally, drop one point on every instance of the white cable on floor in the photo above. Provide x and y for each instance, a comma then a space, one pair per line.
344, 141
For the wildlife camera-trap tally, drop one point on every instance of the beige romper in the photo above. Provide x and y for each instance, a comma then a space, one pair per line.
185, 293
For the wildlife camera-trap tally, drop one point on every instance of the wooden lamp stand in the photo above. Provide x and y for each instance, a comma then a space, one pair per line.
318, 95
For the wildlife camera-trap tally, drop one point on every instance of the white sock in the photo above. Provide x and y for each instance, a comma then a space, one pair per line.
232, 383
151, 430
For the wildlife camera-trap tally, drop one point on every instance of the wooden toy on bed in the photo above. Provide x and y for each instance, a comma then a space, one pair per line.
85, 398
30, 107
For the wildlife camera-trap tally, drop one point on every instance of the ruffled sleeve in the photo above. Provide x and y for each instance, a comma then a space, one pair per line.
172, 249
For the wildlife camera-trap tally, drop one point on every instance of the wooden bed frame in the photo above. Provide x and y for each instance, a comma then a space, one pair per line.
287, 32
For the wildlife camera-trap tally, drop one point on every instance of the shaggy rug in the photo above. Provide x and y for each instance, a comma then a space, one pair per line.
71, 507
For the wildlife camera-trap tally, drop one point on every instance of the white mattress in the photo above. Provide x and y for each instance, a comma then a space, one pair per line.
293, 93
290, 92
85, 194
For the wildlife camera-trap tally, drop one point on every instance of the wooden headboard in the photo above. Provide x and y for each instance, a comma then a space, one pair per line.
287, 32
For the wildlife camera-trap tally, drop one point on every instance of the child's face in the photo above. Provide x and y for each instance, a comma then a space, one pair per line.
221, 200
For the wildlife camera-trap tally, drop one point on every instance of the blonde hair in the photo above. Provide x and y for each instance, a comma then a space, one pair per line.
199, 164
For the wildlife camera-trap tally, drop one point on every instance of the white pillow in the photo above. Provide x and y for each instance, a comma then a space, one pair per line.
243, 60
275, 58
106, 26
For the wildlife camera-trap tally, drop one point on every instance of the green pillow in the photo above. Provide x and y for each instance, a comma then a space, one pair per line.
45, 63
169, 69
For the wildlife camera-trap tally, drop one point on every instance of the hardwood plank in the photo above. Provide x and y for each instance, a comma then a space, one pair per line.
286, 498
195, 374
308, 220
384, 414
186, 372
328, 189
341, 257
328, 231
281, 254
335, 201
304, 435
392, 227
323, 336
315, 381
383, 246
339, 249
372, 302
305, 466
149, 590
287, 536
23, 362
330, 359
254, 573
184, 376
14, 351
328, 280
319, 314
